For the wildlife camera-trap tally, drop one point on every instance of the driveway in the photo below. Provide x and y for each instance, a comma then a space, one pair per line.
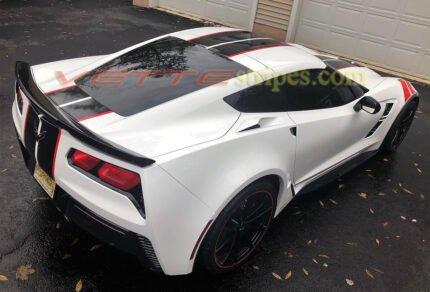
368, 231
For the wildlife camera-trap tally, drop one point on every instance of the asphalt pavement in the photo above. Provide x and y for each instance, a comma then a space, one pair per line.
368, 231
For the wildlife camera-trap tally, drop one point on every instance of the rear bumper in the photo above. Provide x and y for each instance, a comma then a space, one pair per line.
100, 228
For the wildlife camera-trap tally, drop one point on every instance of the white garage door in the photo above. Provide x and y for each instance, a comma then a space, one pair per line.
389, 33
236, 13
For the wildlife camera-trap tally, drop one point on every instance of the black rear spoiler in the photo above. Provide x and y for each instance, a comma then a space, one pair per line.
43, 105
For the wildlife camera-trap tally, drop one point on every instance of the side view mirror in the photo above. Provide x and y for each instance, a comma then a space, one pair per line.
368, 104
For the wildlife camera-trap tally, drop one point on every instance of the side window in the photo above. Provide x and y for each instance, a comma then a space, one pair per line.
258, 98
320, 89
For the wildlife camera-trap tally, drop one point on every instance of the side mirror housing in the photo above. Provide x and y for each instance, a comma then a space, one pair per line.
368, 104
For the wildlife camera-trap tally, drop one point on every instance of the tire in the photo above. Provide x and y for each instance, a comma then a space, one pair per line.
400, 127
239, 229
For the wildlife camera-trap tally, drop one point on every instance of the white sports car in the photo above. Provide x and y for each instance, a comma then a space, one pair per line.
182, 149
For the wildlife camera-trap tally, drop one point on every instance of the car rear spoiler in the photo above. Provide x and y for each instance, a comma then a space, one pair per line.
43, 105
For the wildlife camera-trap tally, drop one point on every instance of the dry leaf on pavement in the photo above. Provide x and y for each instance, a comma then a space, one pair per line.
40, 198
349, 282
315, 261
419, 170
78, 286
333, 201
276, 276
381, 194
385, 224
377, 241
3, 278
305, 272
324, 256
322, 204
95, 247
23, 272
341, 186
363, 195
403, 217
288, 275
371, 211
370, 274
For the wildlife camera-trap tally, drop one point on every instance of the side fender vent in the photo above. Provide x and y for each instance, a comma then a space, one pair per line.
378, 124
388, 108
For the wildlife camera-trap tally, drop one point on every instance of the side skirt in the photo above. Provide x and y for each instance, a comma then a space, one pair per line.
337, 172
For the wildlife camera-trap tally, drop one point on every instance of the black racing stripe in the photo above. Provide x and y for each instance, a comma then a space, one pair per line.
67, 95
339, 64
248, 45
85, 109
46, 148
31, 126
228, 36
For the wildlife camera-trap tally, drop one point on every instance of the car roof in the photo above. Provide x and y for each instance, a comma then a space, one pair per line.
253, 51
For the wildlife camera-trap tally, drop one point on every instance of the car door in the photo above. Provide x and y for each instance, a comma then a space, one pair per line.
329, 130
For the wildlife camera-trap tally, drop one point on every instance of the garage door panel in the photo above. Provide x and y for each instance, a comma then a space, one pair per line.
391, 33
411, 33
419, 8
371, 50
238, 13
319, 12
347, 18
311, 36
424, 65
380, 26
343, 43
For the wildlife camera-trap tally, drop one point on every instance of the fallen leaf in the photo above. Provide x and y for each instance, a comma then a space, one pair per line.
408, 191
23, 272
363, 195
325, 265
414, 220
377, 242
419, 170
370, 274
386, 159
288, 275
341, 186
333, 201
315, 261
3, 278
310, 242
10, 147
368, 170
74, 242
40, 198
305, 272
400, 185
78, 286
95, 247
371, 211
377, 270
385, 224
256, 267
349, 282
397, 236
322, 204
324, 256
276, 276
381, 194
13, 156
57, 226
422, 197
352, 243
403, 217
395, 191
416, 164
3, 170
66, 256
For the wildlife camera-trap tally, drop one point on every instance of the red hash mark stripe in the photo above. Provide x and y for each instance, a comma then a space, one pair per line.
408, 89
94, 116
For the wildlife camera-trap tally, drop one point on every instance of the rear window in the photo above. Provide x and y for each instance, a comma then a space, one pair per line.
156, 73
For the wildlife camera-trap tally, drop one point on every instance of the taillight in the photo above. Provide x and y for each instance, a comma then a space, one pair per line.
19, 99
118, 177
108, 173
408, 89
84, 160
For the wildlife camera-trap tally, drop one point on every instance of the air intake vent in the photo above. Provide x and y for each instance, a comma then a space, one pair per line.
388, 108
378, 124
150, 258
